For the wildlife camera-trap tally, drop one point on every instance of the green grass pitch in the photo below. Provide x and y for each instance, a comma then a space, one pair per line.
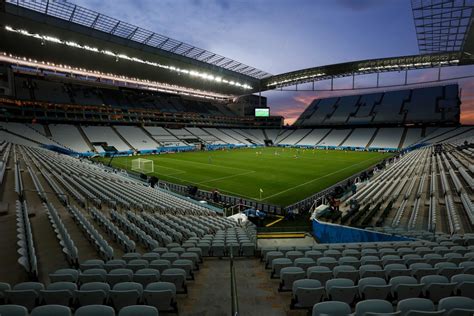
285, 175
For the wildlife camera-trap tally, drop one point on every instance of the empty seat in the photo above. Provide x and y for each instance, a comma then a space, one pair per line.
464, 284
186, 265
306, 293
92, 293
150, 256
313, 254
177, 277
320, 273
371, 270
92, 264
50, 310
346, 272
304, 263
288, 275
403, 287
64, 275
92, 275
448, 269
437, 287
161, 295
375, 306
25, 294
95, 310
396, 269
272, 255
218, 249
141, 310
125, 294
373, 288
415, 304
457, 306
293, 254
160, 265
146, 276
329, 262
13, 310
131, 256
341, 290
349, 261
115, 264
278, 264
331, 308
419, 270
59, 293
137, 264
118, 276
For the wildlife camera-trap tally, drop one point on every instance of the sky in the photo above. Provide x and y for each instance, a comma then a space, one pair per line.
285, 35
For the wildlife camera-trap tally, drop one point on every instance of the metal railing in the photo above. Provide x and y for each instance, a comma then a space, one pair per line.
233, 287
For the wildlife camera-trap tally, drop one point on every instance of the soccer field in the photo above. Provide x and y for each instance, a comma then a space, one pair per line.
285, 175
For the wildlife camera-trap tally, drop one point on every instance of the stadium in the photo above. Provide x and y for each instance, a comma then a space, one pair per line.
142, 175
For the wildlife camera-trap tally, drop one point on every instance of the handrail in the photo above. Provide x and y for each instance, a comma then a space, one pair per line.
233, 287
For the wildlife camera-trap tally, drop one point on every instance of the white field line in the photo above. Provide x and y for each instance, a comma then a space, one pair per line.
316, 179
227, 177
209, 164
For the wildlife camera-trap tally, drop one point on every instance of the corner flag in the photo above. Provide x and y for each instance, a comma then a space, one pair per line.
261, 191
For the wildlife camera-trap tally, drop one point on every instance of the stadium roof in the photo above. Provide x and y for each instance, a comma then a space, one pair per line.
441, 25
76, 14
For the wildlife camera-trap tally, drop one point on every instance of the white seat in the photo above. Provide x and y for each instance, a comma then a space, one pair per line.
279, 263
288, 275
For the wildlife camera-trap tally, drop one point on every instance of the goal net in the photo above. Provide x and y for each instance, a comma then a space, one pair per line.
142, 165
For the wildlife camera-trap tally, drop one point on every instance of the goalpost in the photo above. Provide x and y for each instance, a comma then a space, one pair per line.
142, 165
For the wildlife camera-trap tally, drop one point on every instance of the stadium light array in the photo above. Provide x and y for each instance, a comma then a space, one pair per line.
275, 83
191, 73
411, 65
118, 79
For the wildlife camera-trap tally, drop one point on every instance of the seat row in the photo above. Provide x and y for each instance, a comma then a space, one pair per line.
450, 306
90, 310
307, 292
25, 243
161, 295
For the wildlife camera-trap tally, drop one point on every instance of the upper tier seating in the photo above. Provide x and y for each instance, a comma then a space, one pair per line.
105, 134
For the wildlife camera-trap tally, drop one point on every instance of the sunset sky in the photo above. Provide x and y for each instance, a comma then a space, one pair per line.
284, 35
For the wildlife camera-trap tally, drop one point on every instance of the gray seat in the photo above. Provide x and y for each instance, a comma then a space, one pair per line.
419, 270
293, 254
468, 267
448, 269
160, 265
370, 260
13, 310
131, 256
288, 275
313, 254
150, 256
341, 290
433, 258
346, 272
437, 287
186, 265
92, 264
25, 294
146, 276
115, 264
277, 264
95, 310
306, 293
349, 261
404, 287
64, 275
177, 277
396, 269
373, 288
3, 287
457, 306
371, 270
217, 249
377, 306
329, 262
320, 273
59, 293
137, 264
409, 305
93, 293
304, 263
464, 284
141, 310
118, 276
194, 257
160, 250
269, 256
333, 308
161, 295
125, 294
92, 275
51, 310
